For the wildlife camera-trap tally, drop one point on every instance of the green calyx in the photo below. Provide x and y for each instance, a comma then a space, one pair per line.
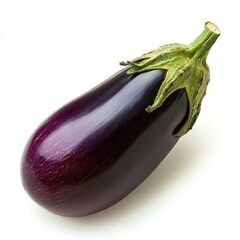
186, 69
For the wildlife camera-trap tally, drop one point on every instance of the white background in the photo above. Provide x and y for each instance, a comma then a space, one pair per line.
52, 51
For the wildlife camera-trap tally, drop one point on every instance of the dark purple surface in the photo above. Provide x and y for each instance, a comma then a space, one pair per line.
97, 149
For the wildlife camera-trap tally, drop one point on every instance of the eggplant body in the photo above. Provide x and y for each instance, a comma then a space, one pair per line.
97, 149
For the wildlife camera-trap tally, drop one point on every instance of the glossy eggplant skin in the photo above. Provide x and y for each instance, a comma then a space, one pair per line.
98, 148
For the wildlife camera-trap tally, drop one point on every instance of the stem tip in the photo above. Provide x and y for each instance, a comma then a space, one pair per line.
212, 27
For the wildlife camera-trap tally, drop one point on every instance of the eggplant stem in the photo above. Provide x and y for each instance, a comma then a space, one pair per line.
199, 48
186, 69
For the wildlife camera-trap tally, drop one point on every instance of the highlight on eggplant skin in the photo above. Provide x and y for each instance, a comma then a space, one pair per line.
97, 149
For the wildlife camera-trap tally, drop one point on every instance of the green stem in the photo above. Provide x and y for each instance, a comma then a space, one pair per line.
199, 48
186, 69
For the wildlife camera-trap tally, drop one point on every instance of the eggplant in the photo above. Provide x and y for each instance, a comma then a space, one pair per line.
95, 150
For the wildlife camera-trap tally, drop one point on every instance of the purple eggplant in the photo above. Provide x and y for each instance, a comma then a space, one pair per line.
98, 148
